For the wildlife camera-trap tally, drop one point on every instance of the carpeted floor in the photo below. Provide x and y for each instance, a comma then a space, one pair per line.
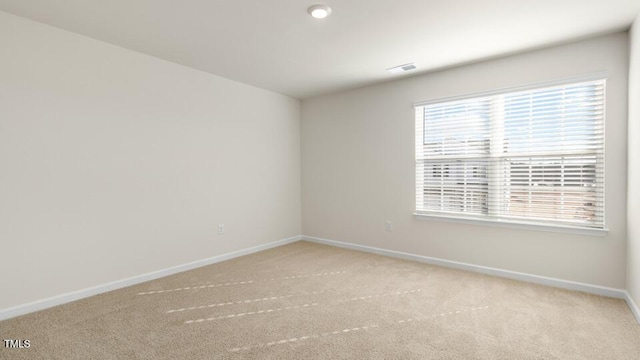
310, 301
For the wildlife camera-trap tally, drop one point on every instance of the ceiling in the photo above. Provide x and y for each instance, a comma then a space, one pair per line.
276, 45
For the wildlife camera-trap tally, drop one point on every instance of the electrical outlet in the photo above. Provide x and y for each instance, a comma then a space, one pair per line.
388, 226
220, 229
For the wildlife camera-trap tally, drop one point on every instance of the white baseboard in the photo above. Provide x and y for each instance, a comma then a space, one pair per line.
95, 290
632, 305
536, 279
99, 289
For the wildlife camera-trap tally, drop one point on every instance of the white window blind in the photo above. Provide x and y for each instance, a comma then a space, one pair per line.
524, 156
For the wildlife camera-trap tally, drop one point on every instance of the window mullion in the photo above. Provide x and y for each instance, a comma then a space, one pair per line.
496, 149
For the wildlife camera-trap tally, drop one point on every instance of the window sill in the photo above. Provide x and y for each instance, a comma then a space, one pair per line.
514, 225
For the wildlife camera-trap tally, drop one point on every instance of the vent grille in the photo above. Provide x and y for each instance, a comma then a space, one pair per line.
401, 68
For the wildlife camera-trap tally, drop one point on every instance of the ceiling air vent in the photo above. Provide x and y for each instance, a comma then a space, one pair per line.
401, 68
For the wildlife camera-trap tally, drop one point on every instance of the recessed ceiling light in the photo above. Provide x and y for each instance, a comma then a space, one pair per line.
319, 11
401, 68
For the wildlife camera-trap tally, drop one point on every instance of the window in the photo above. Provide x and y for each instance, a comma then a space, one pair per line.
520, 156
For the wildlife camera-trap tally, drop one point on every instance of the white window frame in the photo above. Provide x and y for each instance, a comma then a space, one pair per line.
508, 223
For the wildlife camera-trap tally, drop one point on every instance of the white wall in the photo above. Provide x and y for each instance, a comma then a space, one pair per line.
358, 168
114, 164
633, 191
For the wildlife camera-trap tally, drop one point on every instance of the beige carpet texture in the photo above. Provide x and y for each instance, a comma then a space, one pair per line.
311, 301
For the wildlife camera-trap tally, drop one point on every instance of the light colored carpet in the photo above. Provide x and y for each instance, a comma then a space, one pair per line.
309, 301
